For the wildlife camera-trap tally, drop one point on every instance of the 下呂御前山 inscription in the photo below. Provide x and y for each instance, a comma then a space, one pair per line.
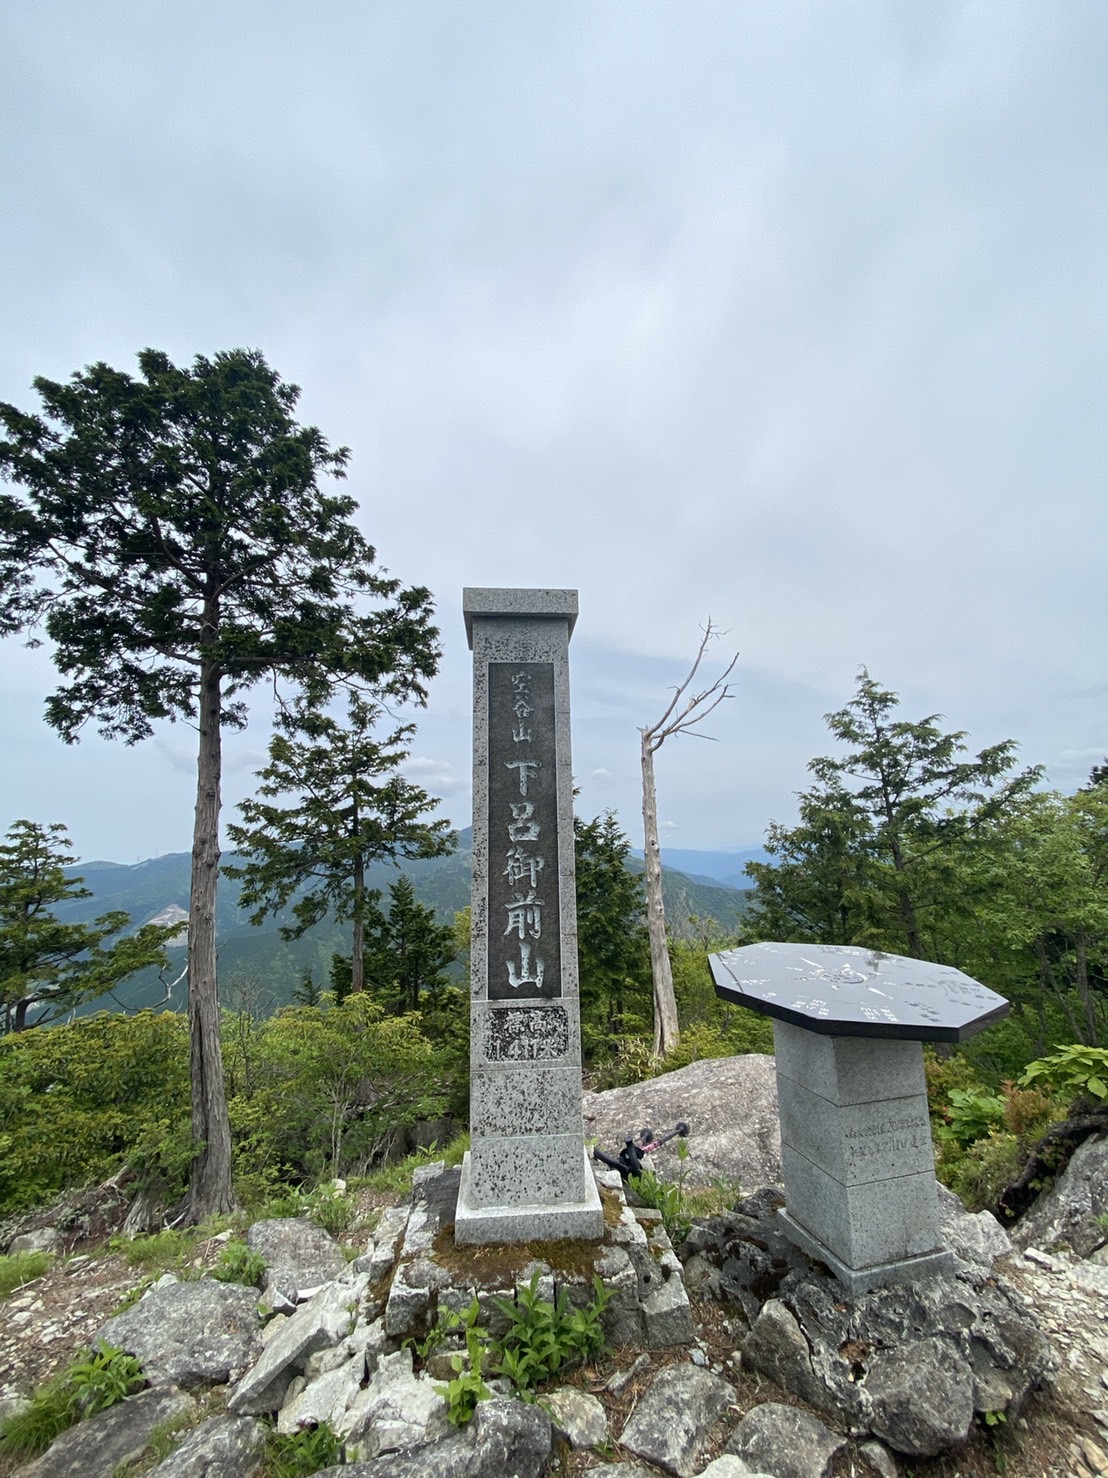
524, 953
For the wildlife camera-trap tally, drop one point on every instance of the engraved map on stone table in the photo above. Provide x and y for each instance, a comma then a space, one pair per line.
524, 938
846, 990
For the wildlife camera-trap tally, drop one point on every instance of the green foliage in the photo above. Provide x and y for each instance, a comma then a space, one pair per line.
612, 945
106, 1377
971, 1115
77, 1101
238, 1263
544, 1338
299, 1454
19, 1268
1074, 1071
47, 966
31, 1431
466, 1387
668, 1197
407, 950
881, 834
336, 805
167, 1251
333, 1088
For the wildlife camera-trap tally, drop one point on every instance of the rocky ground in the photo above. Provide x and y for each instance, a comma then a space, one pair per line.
1062, 1430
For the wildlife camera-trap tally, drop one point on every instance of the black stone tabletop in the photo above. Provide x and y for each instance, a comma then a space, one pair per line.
842, 990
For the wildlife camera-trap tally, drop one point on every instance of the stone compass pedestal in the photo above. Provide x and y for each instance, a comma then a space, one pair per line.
856, 1148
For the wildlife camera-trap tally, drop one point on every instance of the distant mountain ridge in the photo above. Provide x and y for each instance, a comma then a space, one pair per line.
257, 958
721, 866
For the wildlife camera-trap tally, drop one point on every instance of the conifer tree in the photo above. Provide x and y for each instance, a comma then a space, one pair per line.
170, 535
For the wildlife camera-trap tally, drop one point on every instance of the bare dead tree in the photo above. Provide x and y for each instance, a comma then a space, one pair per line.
678, 719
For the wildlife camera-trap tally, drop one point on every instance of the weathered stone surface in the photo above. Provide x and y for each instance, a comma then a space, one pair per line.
920, 1397
324, 1399
672, 1422
225, 1447
386, 1243
324, 1321
397, 1411
42, 1239
975, 1237
505, 1439
577, 1416
95, 1448
785, 1442
822, 1344
730, 1105
667, 1318
298, 1254
190, 1334
727, 1465
1064, 1214
880, 1459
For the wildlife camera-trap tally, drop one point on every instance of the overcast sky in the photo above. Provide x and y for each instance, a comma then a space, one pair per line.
791, 315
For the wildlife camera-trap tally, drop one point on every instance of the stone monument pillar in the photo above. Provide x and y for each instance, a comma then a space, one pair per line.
527, 1175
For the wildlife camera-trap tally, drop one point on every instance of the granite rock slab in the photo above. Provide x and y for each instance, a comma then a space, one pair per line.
785, 1442
674, 1418
190, 1334
225, 1447
298, 1254
97, 1447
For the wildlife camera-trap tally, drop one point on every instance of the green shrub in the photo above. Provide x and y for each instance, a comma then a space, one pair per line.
167, 1251
21, 1267
76, 1101
299, 1454
544, 1338
1074, 1071
238, 1263
106, 1377
467, 1385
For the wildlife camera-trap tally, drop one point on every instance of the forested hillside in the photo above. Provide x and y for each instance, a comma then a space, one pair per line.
255, 959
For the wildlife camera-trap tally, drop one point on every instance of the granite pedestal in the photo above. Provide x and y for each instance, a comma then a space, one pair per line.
852, 1100
527, 1175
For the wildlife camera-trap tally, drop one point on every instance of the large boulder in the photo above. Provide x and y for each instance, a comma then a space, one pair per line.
190, 1334
729, 1104
505, 1439
98, 1447
224, 1447
673, 1421
1066, 1213
298, 1254
785, 1442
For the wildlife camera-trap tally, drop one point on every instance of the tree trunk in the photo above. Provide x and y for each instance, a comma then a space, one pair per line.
357, 956
210, 1188
667, 1033
1081, 978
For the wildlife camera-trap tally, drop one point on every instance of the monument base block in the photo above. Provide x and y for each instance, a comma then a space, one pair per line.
861, 1280
478, 1225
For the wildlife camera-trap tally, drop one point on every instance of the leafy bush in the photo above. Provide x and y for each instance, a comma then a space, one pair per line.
238, 1263
20, 1268
1075, 1071
544, 1338
970, 1116
106, 1377
77, 1101
299, 1454
467, 1386
332, 1088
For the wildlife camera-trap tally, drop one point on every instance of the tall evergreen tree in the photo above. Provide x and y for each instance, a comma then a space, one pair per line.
338, 805
613, 948
48, 966
408, 949
880, 834
171, 536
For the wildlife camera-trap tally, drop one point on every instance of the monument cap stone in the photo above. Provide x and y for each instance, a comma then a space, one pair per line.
844, 990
